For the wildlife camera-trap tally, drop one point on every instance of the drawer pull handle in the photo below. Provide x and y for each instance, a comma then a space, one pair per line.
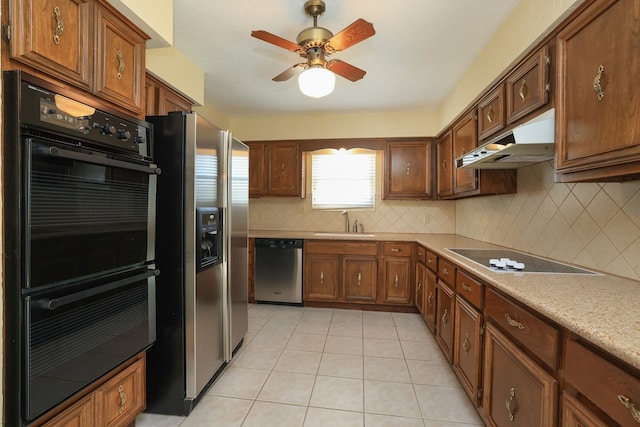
396, 250
429, 298
511, 404
429, 261
444, 165
490, 114
465, 344
282, 167
120, 64
408, 169
444, 318
597, 85
626, 402
359, 278
466, 287
59, 25
123, 399
420, 285
513, 323
395, 280
523, 90
445, 271
321, 277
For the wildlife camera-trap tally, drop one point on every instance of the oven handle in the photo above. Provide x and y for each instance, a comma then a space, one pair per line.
73, 155
52, 304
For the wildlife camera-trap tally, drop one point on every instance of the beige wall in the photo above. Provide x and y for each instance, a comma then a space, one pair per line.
174, 68
155, 17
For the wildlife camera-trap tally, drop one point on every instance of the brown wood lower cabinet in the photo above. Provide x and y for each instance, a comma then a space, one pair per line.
359, 278
517, 391
430, 299
114, 403
421, 275
575, 414
467, 350
321, 277
445, 326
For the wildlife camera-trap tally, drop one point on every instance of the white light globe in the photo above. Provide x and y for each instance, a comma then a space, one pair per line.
316, 82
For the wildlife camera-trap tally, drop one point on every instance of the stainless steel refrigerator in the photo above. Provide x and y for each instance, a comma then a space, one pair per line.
201, 248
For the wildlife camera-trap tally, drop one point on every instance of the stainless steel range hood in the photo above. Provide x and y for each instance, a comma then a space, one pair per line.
531, 142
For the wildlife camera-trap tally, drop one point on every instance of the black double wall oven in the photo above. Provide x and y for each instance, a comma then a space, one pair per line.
79, 224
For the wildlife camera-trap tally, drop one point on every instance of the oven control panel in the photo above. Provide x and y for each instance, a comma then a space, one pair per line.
61, 114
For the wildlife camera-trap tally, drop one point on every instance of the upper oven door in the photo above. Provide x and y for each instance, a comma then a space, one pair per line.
88, 213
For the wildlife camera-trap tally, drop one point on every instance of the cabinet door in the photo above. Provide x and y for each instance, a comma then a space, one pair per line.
80, 414
284, 168
430, 300
397, 281
527, 86
359, 278
407, 172
445, 328
467, 352
444, 165
256, 169
465, 139
122, 398
598, 103
421, 272
517, 391
491, 113
321, 277
119, 59
53, 37
575, 414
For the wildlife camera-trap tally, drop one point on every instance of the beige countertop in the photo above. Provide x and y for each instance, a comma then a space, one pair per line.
602, 308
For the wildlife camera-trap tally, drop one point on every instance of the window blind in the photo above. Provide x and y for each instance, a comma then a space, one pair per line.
343, 180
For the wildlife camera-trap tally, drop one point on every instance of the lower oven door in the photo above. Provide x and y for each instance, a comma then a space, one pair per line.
89, 213
74, 336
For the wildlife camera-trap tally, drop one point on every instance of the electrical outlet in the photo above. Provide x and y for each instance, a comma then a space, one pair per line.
426, 218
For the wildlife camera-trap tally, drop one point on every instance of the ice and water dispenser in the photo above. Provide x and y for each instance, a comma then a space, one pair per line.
209, 229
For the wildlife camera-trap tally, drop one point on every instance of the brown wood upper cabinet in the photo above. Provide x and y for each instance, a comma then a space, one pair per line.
465, 139
444, 165
407, 170
161, 99
85, 43
491, 117
528, 86
276, 169
598, 98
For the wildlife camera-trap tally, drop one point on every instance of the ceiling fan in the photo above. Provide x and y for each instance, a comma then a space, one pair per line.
316, 43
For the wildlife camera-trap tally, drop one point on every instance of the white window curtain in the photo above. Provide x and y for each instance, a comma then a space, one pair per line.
343, 179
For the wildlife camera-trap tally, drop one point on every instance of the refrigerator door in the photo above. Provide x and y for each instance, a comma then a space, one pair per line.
237, 244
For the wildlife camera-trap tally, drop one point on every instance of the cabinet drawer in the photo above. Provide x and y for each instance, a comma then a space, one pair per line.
446, 272
80, 414
605, 384
469, 288
123, 397
421, 254
523, 326
432, 261
333, 247
396, 249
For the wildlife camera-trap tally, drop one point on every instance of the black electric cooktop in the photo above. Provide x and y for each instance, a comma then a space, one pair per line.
494, 259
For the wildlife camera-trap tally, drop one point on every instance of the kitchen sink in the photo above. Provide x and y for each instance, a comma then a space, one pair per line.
350, 235
510, 261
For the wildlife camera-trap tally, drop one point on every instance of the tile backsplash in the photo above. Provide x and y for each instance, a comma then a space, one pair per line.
595, 225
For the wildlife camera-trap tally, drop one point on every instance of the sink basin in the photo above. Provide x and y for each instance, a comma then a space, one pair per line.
349, 235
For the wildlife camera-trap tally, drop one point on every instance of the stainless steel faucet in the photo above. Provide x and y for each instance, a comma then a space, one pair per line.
346, 221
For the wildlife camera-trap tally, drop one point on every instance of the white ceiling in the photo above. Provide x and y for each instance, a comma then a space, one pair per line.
420, 50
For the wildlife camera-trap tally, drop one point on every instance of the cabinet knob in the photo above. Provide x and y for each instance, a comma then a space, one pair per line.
429, 298
408, 169
359, 278
490, 114
511, 404
123, 399
626, 402
321, 277
465, 344
59, 25
395, 280
523, 90
597, 85
120, 59
444, 318
466, 287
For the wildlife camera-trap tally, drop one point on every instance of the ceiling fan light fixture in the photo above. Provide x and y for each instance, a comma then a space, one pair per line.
316, 82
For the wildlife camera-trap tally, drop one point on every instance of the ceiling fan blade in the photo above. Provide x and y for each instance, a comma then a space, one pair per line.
346, 70
290, 72
276, 40
354, 33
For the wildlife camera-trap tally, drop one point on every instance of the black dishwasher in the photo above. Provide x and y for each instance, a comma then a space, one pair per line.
278, 271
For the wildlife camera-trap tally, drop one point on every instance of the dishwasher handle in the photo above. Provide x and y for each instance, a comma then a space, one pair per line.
279, 243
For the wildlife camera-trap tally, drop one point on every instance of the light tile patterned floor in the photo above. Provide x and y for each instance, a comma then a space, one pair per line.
308, 367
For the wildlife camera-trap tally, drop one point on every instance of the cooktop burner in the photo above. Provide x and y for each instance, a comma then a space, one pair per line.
506, 260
